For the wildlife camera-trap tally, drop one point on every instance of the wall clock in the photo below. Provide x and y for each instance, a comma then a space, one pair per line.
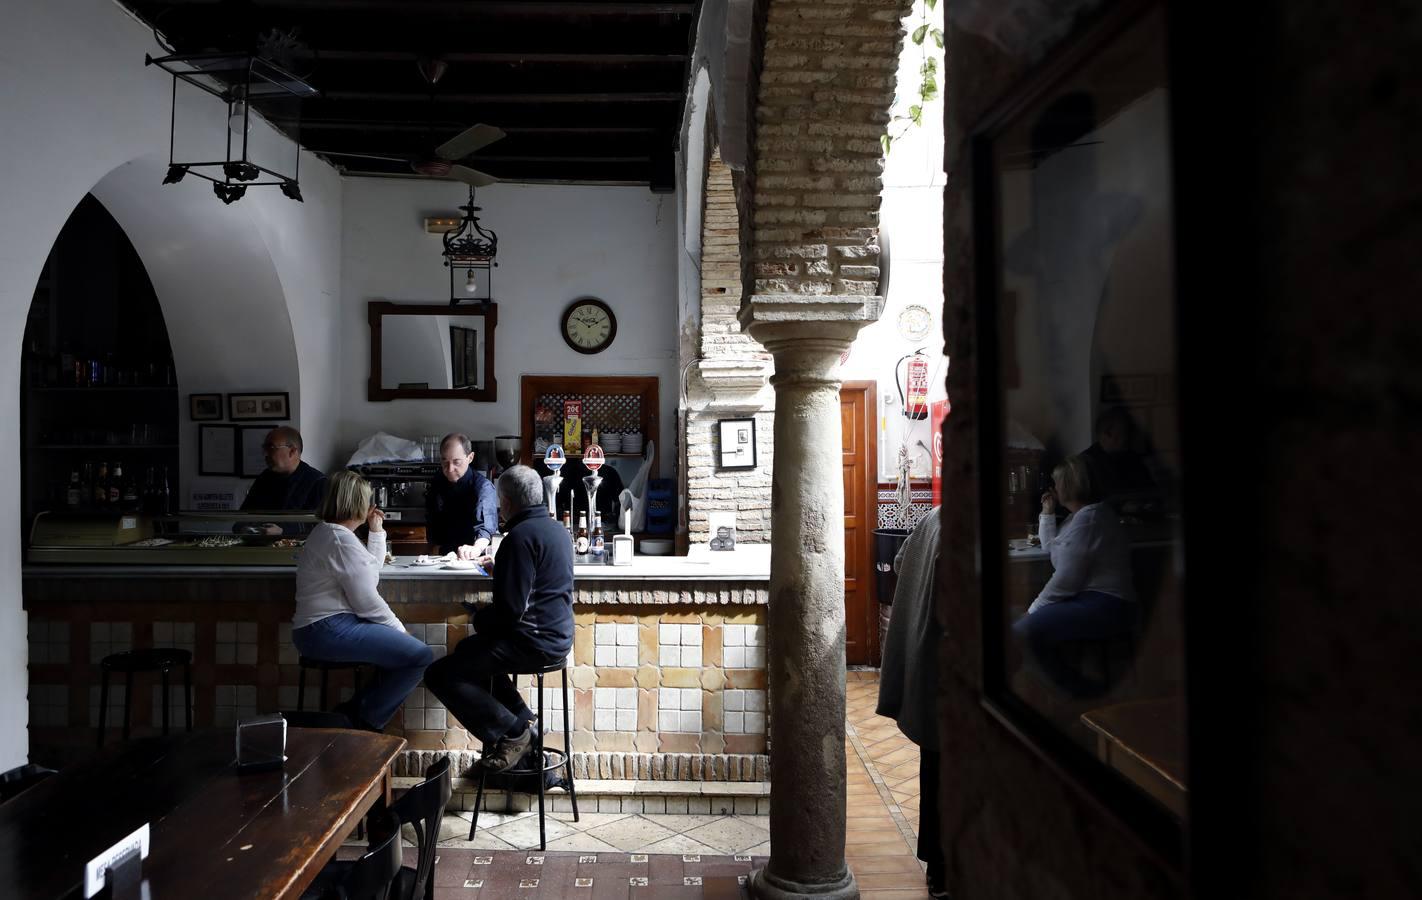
589, 325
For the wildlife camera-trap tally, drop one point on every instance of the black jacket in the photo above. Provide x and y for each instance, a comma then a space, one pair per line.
301, 490
460, 512
533, 587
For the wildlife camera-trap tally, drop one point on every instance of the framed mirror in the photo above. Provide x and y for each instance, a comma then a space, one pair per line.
432, 351
1083, 559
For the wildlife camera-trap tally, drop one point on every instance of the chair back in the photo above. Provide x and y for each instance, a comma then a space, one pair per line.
370, 876
422, 807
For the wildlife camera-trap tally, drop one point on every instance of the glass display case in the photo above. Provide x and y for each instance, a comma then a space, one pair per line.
226, 538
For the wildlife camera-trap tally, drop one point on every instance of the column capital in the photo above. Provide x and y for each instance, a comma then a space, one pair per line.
806, 321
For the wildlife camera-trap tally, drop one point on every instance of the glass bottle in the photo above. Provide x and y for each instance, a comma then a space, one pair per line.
165, 497
99, 492
598, 545
115, 496
75, 495
580, 543
129, 498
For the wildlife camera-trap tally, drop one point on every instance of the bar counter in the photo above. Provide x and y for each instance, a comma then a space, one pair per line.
667, 675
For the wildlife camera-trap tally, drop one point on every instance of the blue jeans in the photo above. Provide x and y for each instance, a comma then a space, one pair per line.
345, 637
1089, 616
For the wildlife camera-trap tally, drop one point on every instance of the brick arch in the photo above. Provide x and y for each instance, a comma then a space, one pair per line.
822, 100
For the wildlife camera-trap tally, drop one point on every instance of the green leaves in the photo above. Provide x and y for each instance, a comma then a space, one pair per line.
918, 33
927, 74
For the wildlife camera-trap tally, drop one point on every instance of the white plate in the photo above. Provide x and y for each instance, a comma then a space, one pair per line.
656, 547
462, 565
436, 561
1021, 544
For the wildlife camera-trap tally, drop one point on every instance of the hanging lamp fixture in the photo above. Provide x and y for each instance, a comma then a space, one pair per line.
240, 80
469, 252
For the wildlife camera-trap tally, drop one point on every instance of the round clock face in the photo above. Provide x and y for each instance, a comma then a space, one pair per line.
589, 325
915, 322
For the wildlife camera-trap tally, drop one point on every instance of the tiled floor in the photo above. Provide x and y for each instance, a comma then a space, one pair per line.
629, 855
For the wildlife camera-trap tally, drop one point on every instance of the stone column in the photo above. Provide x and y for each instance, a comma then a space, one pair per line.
805, 645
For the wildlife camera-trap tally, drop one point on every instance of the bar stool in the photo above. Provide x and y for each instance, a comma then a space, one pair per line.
325, 667
539, 768
153, 659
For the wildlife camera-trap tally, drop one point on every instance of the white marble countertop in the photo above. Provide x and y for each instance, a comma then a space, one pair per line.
748, 562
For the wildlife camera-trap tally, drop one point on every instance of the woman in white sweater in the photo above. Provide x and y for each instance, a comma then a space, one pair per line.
1089, 596
341, 617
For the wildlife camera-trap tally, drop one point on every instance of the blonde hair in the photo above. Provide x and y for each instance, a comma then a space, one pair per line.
1074, 482
347, 497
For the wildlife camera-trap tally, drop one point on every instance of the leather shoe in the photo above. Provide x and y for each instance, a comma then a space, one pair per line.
508, 751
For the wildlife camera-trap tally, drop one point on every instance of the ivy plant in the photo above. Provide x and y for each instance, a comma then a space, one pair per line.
924, 31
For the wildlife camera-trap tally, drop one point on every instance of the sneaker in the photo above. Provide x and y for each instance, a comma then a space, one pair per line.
507, 752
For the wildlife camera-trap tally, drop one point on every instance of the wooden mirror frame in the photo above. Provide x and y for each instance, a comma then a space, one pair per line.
377, 309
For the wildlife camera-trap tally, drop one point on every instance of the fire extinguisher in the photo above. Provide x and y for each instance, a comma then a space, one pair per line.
913, 391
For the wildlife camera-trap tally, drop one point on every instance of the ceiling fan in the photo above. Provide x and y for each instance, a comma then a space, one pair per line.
443, 163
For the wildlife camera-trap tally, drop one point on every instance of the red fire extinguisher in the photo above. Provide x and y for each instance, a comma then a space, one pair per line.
913, 392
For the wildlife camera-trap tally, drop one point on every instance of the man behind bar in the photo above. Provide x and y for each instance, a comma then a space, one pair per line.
528, 625
287, 483
461, 512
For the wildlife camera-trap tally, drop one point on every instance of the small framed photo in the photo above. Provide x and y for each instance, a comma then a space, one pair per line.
737, 443
251, 461
217, 449
247, 407
205, 407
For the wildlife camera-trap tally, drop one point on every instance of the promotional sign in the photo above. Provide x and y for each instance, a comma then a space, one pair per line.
940, 412
554, 458
573, 425
593, 457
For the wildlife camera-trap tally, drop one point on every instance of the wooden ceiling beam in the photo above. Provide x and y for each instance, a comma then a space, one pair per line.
464, 9
519, 97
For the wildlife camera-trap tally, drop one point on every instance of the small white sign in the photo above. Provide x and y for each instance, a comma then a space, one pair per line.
128, 522
213, 500
97, 868
393, 515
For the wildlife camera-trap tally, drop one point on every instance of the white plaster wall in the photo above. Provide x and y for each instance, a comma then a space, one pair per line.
556, 243
82, 113
912, 216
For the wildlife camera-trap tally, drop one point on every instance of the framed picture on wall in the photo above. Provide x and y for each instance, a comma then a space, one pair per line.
205, 407
251, 461
247, 407
217, 449
737, 443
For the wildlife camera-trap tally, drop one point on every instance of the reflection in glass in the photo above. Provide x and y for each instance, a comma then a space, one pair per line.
1086, 320
432, 352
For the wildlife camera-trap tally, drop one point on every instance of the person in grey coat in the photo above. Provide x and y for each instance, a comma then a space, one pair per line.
908, 680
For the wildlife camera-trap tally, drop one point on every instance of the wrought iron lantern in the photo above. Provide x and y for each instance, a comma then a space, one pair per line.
238, 80
470, 249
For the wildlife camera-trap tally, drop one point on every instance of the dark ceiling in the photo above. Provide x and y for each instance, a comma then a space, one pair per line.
587, 91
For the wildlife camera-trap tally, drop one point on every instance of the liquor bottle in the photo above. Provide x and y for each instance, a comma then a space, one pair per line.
116, 486
599, 545
568, 526
99, 491
129, 498
165, 497
75, 495
580, 544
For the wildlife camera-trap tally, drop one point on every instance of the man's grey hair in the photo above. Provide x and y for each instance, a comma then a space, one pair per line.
461, 439
521, 487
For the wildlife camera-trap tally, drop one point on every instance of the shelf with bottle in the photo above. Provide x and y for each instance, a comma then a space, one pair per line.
99, 487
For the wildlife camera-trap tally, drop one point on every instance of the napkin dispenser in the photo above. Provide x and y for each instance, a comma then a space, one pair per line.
622, 550
261, 743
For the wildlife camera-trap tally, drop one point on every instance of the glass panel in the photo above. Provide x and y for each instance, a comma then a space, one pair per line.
432, 352
1091, 464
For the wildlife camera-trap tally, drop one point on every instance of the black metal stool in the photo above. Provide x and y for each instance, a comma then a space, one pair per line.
325, 667
538, 768
154, 659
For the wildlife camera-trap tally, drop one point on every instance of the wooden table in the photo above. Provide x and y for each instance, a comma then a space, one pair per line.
214, 834
1145, 741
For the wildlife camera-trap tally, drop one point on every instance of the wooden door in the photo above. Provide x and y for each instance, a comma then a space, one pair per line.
861, 466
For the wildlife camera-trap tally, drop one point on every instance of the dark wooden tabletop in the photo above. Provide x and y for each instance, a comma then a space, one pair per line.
214, 834
1151, 731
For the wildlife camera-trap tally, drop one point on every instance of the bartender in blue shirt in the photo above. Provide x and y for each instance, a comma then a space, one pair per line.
461, 507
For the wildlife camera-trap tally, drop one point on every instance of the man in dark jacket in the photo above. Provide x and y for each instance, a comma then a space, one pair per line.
287, 483
528, 625
461, 510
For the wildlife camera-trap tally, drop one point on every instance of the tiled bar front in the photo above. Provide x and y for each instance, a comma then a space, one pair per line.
667, 678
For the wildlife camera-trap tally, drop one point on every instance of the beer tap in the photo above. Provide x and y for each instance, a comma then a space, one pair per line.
553, 460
